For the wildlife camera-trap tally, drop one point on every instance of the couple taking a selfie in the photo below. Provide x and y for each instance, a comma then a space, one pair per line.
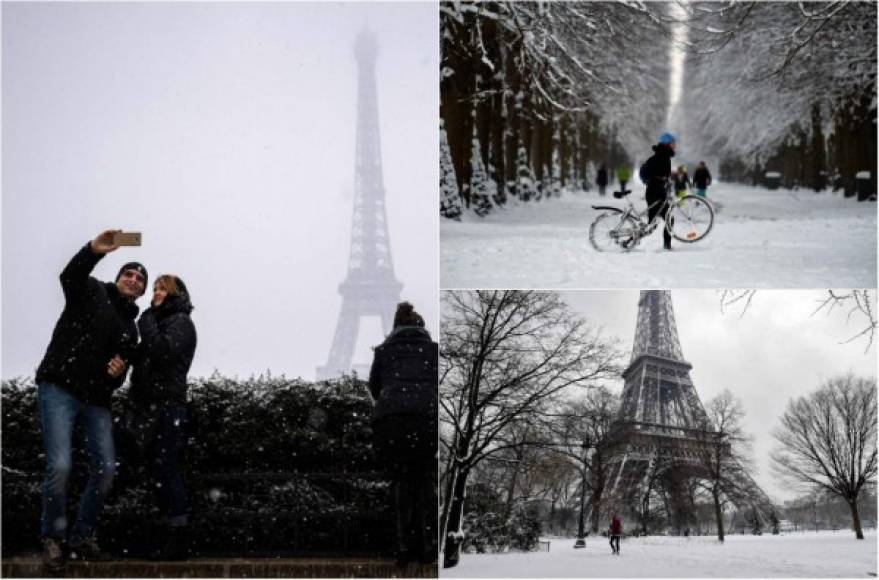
94, 343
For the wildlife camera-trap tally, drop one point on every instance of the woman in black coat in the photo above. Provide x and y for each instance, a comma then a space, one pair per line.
158, 388
403, 381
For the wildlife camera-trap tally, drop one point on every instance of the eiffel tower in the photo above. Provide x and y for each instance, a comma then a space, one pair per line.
370, 288
662, 429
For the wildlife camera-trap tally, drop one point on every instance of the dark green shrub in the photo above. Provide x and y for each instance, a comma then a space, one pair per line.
272, 465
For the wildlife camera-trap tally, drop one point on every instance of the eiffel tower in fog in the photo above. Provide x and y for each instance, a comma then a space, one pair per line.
370, 288
662, 429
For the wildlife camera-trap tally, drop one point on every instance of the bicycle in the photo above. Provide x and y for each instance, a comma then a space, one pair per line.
688, 219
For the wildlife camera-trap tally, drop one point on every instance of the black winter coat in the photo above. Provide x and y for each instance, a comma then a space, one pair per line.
167, 345
701, 177
658, 169
403, 378
97, 323
601, 177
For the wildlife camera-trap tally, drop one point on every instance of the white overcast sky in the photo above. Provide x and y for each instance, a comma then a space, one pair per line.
776, 351
225, 133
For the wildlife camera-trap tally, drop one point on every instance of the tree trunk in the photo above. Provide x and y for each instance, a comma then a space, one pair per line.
718, 513
595, 500
452, 530
596, 514
511, 487
856, 518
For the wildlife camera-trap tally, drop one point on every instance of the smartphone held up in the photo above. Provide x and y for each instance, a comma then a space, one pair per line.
126, 239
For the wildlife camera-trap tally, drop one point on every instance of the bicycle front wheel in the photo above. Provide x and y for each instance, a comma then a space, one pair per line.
689, 219
614, 231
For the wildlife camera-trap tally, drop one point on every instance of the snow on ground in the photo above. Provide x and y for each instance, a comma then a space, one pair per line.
761, 239
796, 555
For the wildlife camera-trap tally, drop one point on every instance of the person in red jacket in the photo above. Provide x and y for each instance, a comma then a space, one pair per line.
616, 529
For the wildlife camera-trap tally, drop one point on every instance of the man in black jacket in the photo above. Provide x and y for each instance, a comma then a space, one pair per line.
701, 179
85, 362
404, 383
657, 170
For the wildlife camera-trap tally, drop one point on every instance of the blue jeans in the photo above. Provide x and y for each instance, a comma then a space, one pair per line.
700, 191
59, 411
165, 452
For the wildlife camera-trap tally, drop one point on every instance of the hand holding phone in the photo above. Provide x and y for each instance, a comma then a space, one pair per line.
126, 239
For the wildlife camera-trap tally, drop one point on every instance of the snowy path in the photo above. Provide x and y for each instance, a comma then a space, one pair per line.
761, 239
805, 555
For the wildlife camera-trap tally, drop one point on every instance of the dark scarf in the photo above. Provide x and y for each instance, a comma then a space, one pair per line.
173, 304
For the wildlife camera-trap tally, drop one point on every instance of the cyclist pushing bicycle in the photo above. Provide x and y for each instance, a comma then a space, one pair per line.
657, 171
687, 219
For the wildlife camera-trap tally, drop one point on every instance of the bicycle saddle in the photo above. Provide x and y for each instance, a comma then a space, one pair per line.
621, 194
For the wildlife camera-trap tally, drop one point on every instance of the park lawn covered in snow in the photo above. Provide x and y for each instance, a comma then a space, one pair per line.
800, 555
761, 239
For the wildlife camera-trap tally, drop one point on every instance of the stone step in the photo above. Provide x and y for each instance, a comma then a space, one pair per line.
32, 567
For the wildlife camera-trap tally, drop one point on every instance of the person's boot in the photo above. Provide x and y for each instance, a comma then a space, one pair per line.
175, 545
88, 550
53, 555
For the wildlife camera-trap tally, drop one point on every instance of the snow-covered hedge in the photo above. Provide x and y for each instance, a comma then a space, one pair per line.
272, 464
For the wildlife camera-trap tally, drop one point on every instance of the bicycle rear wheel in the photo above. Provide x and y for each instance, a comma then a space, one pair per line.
691, 218
614, 231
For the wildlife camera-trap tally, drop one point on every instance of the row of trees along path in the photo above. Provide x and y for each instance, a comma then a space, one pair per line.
531, 104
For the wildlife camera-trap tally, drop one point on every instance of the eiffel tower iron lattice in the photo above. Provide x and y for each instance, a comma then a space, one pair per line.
662, 429
370, 288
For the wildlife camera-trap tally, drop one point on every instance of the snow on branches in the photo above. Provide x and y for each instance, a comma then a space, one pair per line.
757, 72
570, 82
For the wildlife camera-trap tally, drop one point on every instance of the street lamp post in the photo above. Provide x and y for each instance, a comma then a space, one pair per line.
581, 528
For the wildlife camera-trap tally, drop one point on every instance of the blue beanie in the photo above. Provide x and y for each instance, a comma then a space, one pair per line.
666, 138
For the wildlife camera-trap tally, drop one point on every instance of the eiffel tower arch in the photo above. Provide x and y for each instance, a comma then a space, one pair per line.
662, 429
370, 288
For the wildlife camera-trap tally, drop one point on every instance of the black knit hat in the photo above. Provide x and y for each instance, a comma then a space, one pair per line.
406, 316
137, 266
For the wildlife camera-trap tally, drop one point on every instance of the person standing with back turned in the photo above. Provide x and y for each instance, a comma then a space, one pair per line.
403, 381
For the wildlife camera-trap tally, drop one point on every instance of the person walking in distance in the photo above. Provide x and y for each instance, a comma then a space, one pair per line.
616, 530
623, 175
682, 181
601, 179
701, 179
86, 361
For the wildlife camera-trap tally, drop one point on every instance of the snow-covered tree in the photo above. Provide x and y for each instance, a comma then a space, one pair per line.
556, 177
589, 174
594, 72
526, 186
450, 198
504, 354
482, 188
545, 185
764, 78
